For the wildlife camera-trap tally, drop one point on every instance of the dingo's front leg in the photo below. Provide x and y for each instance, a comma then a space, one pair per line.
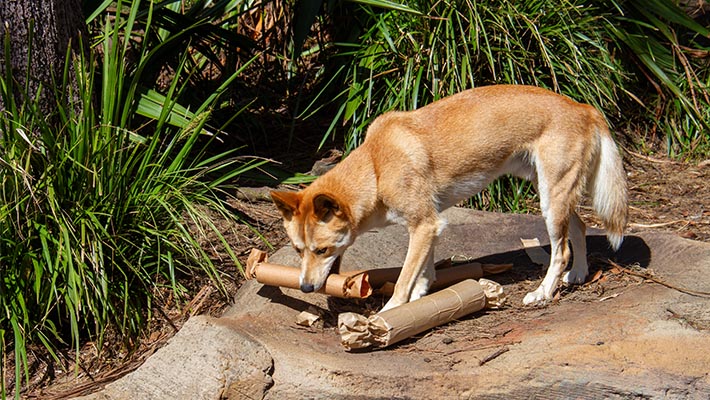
420, 251
427, 276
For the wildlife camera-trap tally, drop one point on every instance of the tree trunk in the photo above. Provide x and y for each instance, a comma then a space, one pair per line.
48, 28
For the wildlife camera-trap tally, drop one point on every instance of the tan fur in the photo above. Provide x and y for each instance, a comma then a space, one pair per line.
412, 165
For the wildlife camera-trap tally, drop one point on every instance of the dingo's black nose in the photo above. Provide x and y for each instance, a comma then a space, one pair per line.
306, 287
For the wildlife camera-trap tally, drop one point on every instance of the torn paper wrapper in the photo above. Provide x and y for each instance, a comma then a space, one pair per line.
308, 317
360, 284
392, 326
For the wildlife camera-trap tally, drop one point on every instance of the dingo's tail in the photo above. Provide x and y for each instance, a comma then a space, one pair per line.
608, 187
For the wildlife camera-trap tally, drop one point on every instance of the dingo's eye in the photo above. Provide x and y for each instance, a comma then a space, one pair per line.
299, 251
321, 251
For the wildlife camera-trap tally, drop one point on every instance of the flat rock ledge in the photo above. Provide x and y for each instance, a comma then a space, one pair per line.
630, 339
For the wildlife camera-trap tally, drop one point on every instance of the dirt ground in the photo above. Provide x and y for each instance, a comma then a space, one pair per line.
664, 195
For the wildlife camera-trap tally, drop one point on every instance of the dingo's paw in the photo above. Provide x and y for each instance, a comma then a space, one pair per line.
574, 277
420, 289
536, 297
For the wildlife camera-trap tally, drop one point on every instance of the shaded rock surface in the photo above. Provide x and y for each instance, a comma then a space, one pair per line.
616, 337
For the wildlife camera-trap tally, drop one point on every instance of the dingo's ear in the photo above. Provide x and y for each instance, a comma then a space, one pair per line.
325, 205
287, 203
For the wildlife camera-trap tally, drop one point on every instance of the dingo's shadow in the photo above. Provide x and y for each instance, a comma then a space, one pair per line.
634, 250
278, 296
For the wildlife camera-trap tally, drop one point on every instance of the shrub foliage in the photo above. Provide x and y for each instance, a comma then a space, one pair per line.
103, 203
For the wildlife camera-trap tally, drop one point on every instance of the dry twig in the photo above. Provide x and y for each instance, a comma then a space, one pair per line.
657, 225
493, 355
651, 159
652, 278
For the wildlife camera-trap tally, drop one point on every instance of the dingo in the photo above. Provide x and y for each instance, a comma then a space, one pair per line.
412, 165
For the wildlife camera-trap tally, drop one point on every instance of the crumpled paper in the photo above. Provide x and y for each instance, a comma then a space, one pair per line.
308, 318
358, 331
495, 297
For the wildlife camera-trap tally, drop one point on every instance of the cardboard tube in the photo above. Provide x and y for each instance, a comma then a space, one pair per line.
392, 326
446, 275
350, 285
360, 284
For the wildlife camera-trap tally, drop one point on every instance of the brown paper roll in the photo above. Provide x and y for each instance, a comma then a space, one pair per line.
349, 285
392, 326
360, 284
446, 275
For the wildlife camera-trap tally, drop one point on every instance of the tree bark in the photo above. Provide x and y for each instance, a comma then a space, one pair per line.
47, 28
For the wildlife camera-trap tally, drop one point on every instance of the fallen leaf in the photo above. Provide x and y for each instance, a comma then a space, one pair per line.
688, 235
597, 276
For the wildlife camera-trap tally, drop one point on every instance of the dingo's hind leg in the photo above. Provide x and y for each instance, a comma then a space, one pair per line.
559, 190
559, 257
577, 230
